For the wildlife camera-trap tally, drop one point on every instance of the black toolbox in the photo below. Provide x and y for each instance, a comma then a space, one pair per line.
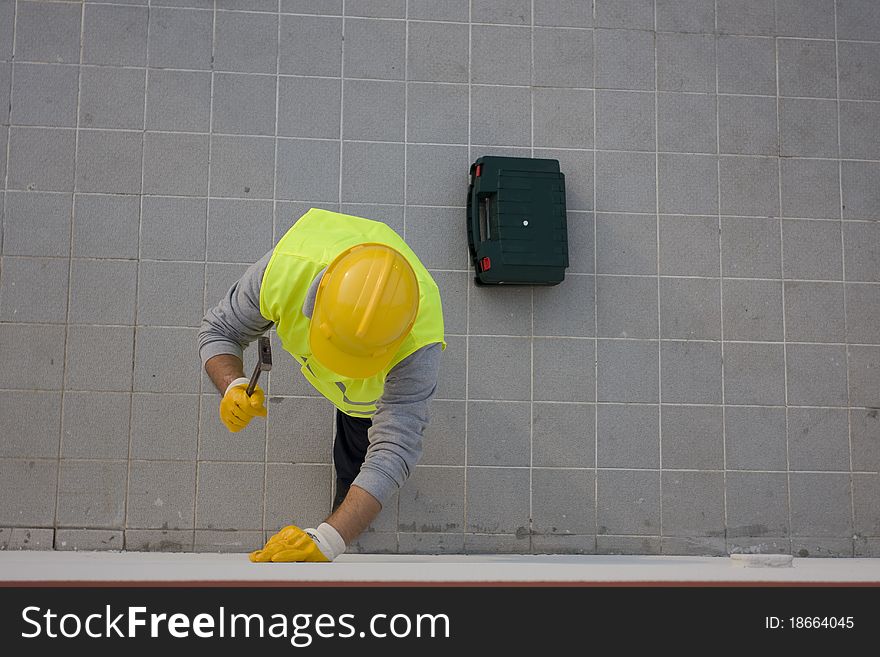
517, 229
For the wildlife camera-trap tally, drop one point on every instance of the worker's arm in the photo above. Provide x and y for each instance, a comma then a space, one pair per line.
223, 369
226, 330
395, 441
399, 424
355, 514
231, 325
395, 449
329, 539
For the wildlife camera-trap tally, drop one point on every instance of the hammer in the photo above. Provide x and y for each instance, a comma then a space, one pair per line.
264, 363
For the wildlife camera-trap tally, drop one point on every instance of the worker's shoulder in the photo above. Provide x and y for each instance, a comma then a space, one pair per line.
421, 358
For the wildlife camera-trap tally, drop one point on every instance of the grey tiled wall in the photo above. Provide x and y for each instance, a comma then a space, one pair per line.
705, 380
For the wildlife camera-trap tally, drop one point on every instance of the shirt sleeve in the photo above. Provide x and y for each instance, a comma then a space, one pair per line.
235, 321
399, 423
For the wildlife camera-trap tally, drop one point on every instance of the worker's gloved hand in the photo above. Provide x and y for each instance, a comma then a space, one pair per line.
237, 409
295, 544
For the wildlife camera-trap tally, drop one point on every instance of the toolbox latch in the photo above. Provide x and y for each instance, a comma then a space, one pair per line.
485, 264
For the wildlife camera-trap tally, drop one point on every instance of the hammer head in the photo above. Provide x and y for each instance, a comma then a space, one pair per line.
265, 348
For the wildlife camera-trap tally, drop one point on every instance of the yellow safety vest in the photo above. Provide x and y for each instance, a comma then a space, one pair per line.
307, 248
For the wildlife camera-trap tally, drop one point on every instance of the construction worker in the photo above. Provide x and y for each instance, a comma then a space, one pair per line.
353, 305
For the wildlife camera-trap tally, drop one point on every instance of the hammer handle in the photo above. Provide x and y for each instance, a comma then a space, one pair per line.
254, 377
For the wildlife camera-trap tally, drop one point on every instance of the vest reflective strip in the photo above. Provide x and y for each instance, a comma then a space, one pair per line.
351, 401
344, 390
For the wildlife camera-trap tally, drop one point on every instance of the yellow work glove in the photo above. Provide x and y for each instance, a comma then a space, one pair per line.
237, 409
295, 544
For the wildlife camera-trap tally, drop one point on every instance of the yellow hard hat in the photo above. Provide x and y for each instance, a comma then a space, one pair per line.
366, 305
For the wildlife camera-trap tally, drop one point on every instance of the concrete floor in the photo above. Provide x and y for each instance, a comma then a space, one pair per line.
706, 380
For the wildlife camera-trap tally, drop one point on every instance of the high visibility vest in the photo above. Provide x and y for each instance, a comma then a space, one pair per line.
307, 248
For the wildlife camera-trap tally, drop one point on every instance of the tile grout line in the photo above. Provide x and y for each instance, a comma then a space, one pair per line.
138, 266
174, 261
478, 335
739, 279
595, 308
69, 251
405, 157
494, 335
467, 289
846, 335
494, 401
441, 466
638, 403
720, 285
730, 278
406, 141
782, 269
258, 12
259, 74
514, 147
207, 226
341, 104
38, 526
657, 264
265, 530
175, 69
170, 261
531, 523
32, 526
171, 69
835, 220
70, 254
8, 130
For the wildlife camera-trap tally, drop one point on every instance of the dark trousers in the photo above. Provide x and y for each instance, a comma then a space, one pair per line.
349, 451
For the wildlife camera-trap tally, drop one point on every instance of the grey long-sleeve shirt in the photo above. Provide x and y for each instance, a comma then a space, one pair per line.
402, 411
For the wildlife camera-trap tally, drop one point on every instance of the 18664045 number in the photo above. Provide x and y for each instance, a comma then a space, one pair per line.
821, 622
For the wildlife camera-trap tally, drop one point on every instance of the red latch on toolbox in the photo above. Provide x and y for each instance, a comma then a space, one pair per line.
485, 264
478, 171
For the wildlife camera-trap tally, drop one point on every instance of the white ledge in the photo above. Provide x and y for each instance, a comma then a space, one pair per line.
111, 567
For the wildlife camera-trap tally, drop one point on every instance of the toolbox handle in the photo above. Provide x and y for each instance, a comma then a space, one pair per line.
483, 209
481, 219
